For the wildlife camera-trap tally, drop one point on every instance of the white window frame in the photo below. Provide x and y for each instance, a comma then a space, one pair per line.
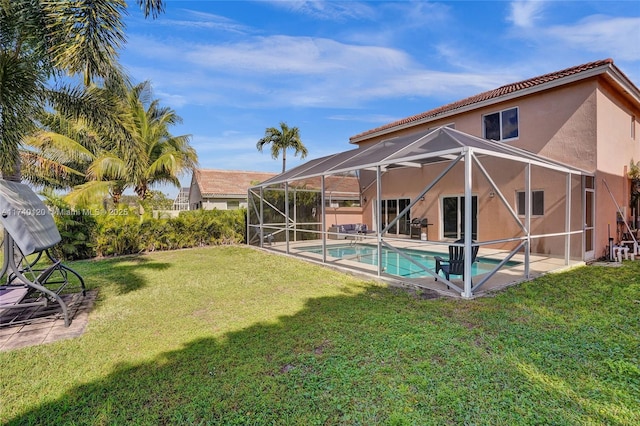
502, 138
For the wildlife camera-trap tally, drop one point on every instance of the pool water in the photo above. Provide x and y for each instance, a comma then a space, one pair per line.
395, 264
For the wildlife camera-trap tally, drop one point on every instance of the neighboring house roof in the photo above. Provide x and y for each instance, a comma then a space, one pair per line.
228, 183
509, 91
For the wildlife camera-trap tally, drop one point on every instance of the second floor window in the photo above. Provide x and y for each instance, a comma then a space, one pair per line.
501, 125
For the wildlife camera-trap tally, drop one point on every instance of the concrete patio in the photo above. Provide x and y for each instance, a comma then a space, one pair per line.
45, 325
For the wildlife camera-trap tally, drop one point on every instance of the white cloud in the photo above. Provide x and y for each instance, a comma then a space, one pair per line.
617, 37
206, 21
612, 36
332, 11
227, 141
525, 13
294, 55
234, 149
370, 118
281, 71
176, 101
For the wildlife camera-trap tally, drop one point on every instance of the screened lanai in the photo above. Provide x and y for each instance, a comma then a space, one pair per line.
391, 208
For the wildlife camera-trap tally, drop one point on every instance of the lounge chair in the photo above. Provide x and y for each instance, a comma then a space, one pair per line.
455, 264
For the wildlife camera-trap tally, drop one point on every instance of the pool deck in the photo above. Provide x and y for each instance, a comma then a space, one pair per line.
538, 264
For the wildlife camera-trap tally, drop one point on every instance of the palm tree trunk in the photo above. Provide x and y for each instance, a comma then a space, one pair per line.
14, 173
284, 159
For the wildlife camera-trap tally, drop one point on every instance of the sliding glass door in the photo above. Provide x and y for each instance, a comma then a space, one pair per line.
453, 217
390, 210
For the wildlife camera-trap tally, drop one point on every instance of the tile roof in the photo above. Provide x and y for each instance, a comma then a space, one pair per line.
228, 182
491, 94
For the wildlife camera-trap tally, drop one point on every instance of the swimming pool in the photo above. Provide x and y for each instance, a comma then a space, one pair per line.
395, 264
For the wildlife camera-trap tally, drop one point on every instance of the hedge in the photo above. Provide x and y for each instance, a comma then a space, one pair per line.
120, 231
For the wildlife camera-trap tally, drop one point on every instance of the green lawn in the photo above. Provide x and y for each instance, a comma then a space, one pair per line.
231, 335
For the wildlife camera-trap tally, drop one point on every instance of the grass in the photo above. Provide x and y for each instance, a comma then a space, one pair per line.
231, 335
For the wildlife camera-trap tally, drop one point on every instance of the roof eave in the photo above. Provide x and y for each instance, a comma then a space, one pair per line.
630, 89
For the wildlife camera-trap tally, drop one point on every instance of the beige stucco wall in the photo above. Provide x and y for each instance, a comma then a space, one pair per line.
343, 215
558, 124
616, 149
224, 203
211, 204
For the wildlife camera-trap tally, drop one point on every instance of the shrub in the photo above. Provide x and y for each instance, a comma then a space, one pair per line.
194, 229
122, 231
77, 229
118, 232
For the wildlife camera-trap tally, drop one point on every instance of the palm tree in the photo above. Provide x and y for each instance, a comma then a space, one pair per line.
149, 156
42, 39
81, 125
160, 157
281, 140
23, 73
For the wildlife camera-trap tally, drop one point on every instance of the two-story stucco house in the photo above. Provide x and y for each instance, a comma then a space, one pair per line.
584, 116
541, 166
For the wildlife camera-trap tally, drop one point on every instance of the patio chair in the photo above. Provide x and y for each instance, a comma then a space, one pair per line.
455, 264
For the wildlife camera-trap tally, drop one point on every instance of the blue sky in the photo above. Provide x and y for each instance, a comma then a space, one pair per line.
334, 69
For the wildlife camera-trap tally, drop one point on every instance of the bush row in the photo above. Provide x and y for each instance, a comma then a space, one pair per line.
90, 233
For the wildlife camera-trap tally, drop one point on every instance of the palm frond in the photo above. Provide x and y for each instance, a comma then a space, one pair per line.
58, 147
151, 7
86, 36
89, 193
108, 167
21, 91
41, 171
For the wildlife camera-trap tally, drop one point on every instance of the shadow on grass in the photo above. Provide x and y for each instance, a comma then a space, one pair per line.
124, 274
379, 357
